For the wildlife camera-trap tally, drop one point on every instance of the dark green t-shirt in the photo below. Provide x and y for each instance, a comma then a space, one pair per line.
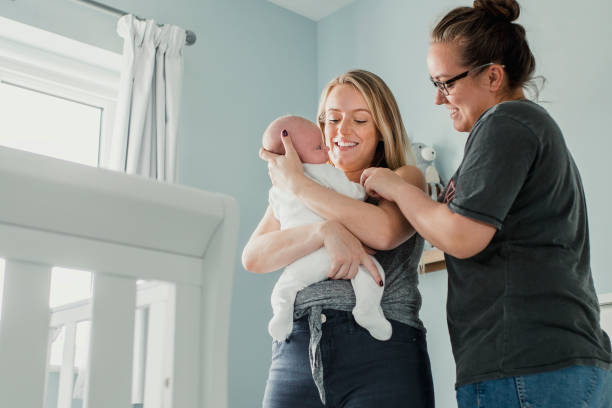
526, 303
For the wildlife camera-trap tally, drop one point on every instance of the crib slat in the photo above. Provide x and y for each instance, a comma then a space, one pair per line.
24, 332
112, 337
66, 379
187, 326
139, 352
156, 332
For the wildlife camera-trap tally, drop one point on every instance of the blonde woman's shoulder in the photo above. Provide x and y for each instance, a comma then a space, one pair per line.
412, 174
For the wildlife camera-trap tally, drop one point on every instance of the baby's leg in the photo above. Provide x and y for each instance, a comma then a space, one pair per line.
367, 312
305, 271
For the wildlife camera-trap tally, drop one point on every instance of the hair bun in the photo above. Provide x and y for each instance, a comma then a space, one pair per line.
505, 9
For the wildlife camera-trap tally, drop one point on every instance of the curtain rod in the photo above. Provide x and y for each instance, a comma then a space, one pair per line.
190, 37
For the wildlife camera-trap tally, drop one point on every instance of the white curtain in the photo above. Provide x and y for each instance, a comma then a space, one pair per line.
145, 134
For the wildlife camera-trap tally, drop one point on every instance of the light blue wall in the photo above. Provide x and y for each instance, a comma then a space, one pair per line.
252, 62
572, 49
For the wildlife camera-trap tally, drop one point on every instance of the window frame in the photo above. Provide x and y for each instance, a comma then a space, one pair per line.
45, 62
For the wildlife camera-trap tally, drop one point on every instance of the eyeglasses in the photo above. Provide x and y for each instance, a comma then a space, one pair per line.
443, 85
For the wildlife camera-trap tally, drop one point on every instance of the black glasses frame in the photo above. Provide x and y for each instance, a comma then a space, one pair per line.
443, 85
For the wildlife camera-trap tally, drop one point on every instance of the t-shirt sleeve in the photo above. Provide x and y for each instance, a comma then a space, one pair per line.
494, 169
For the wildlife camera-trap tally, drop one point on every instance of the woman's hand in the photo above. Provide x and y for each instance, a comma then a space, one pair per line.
286, 170
381, 182
346, 253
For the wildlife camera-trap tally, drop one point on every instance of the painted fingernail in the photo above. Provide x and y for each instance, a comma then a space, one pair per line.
381, 283
285, 132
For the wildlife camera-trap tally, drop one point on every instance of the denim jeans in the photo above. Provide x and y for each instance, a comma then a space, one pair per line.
359, 371
571, 387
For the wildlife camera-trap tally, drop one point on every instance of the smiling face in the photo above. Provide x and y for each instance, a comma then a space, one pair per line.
470, 96
349, 129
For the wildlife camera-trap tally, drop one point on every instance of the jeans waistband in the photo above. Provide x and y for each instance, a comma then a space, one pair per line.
329, 316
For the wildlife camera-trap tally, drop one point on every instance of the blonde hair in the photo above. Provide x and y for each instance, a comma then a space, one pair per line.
394, 150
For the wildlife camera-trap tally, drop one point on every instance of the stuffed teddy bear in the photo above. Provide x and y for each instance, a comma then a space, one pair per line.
425, 155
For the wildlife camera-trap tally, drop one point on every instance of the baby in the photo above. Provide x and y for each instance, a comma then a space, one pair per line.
289, 210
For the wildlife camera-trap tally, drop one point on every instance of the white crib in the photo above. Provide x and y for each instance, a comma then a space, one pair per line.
122, 228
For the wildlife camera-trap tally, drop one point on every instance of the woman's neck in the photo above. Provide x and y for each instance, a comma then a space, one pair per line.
354, 175
514, 95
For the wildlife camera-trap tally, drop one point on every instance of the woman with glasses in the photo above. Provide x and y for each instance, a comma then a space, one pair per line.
522, 311
328, 359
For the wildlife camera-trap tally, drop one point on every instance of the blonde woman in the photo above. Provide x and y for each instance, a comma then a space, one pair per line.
329, 360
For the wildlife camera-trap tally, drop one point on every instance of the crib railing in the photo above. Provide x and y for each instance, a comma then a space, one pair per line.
122, 228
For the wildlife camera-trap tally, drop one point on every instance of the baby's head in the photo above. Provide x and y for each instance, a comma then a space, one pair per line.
305, 135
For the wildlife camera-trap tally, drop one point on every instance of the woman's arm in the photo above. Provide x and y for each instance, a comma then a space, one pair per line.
379, 226
455, 234
269, 248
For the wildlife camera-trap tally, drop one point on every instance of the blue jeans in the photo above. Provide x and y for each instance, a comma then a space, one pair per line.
359, 371
571, 387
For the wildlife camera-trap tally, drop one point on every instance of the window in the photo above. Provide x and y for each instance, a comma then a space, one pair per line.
50, 125
57, 95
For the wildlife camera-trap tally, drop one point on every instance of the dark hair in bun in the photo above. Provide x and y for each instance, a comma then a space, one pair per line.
486, 33
503, 9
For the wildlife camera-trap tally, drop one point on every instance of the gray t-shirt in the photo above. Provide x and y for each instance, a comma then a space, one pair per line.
401, 299
526, 303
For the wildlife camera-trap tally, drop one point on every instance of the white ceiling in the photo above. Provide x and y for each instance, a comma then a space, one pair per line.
313, 9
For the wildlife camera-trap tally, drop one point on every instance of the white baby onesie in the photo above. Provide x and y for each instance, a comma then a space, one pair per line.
314, 267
